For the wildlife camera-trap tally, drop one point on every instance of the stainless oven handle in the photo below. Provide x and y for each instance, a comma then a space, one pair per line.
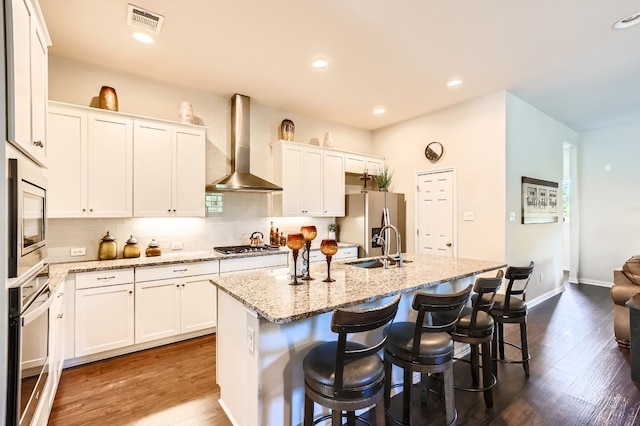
32, 315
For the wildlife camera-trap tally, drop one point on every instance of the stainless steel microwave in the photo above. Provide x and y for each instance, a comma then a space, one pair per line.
26, 216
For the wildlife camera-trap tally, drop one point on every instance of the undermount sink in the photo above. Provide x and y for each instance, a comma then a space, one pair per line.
373, 263
369, 263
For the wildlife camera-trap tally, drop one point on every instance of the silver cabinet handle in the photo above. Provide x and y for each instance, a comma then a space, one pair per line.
60, 316
107, 278
38, 144
180, 270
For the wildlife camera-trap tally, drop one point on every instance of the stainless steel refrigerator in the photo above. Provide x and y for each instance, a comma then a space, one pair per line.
365, 215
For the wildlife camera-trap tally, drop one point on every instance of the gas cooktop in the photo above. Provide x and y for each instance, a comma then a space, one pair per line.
245, 249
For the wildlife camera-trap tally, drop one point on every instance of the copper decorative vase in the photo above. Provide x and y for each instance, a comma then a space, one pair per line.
108, 98
287, 130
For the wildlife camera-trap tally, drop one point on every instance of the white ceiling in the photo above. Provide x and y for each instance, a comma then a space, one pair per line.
562, 57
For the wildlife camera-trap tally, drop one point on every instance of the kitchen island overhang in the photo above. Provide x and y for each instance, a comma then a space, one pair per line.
266, 326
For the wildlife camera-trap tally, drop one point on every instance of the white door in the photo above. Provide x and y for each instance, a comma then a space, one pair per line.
435, 212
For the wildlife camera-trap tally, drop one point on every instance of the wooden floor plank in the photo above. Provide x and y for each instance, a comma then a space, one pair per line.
579, 376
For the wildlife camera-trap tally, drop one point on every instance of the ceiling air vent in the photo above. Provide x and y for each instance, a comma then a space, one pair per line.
140, 18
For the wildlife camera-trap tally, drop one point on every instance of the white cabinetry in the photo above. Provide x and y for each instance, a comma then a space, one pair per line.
174, 299
358, 163
104, 315
312, 180
27, 73
90, 163
56, 340
246, 263
169, 170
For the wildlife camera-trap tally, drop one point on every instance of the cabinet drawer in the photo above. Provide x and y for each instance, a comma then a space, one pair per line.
104, 278
346, 253
245, 263
151, 273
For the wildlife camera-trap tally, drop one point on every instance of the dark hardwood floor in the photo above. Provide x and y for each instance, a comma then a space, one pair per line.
579, 376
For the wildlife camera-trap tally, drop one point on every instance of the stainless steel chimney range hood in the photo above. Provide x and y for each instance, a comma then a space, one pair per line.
241, 178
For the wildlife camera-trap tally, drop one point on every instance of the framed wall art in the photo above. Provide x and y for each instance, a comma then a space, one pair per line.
539, 200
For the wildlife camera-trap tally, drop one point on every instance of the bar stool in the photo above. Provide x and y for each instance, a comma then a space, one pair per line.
510, 309
425, 347
475, 328
344, 375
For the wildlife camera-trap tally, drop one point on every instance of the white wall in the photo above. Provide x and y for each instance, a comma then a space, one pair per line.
534, 149
79, 83
473, 135
609, 201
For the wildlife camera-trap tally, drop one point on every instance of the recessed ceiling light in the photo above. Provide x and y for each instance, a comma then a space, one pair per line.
143, 38
379, 110
627, 22
320, 63
454, 82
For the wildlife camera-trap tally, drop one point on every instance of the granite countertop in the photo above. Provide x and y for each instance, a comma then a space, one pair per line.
268, 293
58, 271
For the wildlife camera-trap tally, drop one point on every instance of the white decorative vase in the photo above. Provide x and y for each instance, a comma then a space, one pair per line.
186, 113
328, 140
332, 235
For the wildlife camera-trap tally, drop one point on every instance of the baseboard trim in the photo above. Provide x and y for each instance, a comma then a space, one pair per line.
546, 296
595, 282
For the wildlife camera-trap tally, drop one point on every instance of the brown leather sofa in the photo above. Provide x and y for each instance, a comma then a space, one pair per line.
626, 283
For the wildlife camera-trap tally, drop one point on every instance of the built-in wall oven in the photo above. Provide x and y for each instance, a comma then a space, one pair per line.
28, 346
26, 216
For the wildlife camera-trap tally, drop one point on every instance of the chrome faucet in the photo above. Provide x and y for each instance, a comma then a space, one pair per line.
397, 257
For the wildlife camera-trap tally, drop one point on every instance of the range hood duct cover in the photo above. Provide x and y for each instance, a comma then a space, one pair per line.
241, 178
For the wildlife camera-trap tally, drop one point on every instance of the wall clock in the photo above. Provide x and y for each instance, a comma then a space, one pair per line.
434, 151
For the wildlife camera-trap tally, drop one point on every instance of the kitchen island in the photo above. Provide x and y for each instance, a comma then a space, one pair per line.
266, 326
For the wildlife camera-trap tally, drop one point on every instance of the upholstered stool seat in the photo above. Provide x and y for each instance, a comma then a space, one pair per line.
511, 308
426, 347
475, 327
344, 375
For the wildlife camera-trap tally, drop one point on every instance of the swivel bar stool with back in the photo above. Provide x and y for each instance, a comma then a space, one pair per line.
425, 347
510, 308
344, 375
475, 327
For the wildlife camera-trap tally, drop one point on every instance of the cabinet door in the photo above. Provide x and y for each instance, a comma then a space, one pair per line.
56, 339
104, 319
109, 166
152, 170
39, 85
19, 22
188, 179
157, 309
198, 300
292, 185
67, 151
334, 185
312, 177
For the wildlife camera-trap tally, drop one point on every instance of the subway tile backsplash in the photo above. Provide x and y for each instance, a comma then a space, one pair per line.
243, 213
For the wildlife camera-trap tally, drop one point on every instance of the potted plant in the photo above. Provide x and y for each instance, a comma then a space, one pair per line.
333, 231
383, 178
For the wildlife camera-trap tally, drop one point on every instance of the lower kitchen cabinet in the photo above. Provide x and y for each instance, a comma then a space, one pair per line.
174, 299
56, 340
104, 314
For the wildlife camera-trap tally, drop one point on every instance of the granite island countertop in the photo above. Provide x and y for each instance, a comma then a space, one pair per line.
269, 294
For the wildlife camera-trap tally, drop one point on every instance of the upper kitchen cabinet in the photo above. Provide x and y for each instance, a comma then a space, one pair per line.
312, 180
27, 45
358, 163
90, 162
169, 170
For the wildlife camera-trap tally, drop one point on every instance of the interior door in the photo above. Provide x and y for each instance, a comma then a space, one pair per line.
436, 213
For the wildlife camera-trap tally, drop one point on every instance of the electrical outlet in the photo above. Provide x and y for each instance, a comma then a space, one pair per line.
541, 277
176, 245
250, 339
512, 216
468, 215
78, 251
